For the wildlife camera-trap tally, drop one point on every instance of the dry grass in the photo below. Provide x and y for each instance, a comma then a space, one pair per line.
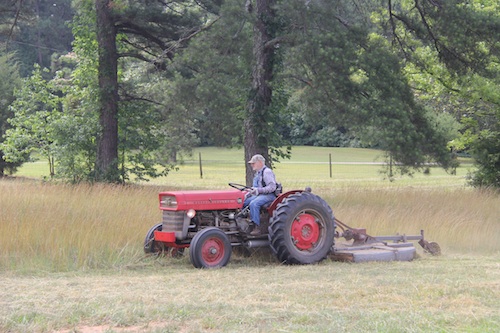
461, 220
61, 227
442, 294
71, 261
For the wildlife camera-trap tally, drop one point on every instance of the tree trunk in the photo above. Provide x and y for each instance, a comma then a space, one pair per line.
107, 146
260, 98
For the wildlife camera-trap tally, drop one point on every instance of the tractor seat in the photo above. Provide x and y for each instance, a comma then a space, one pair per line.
279, 190
267, 205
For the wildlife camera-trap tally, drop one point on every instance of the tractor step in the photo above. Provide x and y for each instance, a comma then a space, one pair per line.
374, 252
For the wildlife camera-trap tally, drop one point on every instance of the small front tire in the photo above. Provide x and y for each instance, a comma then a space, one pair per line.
150, 245
210, 248
153, 247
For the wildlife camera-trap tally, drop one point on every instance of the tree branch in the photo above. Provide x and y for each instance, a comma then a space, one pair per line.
16, 18
182, 40
273, 42
440, 48
128, 97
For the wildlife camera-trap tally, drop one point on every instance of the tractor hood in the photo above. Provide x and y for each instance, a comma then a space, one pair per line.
201, 200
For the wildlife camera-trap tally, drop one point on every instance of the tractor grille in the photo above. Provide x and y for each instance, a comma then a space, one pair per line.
173, 221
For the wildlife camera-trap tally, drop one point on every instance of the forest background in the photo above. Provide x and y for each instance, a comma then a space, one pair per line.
117, 90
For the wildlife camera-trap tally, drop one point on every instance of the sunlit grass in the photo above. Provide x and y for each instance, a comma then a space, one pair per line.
436, 294
308, 165
71, 258
63, 227
461, 220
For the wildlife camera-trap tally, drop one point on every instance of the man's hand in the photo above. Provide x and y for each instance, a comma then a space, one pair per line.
254, 191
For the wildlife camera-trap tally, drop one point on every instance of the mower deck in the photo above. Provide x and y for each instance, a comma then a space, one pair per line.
373, 252
362, 247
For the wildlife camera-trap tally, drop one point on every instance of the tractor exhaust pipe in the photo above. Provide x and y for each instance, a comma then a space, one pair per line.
256, 243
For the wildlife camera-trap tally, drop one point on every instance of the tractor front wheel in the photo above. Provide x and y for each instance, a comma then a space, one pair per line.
302, 229
154, 247
210, 248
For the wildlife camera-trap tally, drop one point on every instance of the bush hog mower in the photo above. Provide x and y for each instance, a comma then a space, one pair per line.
301, 229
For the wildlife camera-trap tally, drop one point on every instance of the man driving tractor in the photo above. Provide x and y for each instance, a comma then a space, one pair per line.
262, 191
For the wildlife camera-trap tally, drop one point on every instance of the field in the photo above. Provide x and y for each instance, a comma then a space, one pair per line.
71, 256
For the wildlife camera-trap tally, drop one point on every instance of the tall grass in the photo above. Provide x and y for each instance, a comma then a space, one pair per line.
460, 220
80, 229
61, 227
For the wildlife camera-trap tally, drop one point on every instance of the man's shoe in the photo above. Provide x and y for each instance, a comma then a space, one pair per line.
256, 231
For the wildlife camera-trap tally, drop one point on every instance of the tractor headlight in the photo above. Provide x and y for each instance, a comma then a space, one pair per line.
168, 201
191, 213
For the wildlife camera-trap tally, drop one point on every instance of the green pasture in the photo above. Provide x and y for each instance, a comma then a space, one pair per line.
308, 166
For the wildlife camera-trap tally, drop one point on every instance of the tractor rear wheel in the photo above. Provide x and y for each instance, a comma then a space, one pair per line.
154, 247
302, 229
210, 248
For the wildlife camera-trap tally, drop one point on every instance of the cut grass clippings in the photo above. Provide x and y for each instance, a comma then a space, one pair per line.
432, 294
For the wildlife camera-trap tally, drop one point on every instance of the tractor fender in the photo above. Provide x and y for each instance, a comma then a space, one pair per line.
279, 199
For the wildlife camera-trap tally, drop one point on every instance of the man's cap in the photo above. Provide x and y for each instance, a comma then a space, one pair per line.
257, 157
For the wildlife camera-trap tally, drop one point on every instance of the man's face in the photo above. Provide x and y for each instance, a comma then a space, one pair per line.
257, 165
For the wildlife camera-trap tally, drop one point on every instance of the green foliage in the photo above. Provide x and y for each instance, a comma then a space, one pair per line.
215, 73
454, 48
38, 31
75, 132
486, 152
346, 73
34, 111
354, 80
463, 34
211, 78
9, 81
143, 138
145, 127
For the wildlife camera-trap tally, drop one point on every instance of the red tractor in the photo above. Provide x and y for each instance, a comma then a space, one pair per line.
301, 226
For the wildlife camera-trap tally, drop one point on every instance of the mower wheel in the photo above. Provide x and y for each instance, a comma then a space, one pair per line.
153, 247
302, 229
433, 248
210, 248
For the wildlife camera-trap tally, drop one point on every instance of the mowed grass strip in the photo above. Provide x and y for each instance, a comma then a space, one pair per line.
445, 294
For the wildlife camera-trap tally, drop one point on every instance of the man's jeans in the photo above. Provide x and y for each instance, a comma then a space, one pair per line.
256, 202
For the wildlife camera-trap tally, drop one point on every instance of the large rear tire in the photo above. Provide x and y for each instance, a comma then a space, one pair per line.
302, 229
210, 248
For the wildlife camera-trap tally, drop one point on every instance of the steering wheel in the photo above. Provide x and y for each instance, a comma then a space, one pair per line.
240, 187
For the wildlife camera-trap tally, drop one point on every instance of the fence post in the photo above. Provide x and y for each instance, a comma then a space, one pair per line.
330, 165
201, 168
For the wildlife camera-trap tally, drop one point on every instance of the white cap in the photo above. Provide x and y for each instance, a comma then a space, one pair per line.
256, 158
